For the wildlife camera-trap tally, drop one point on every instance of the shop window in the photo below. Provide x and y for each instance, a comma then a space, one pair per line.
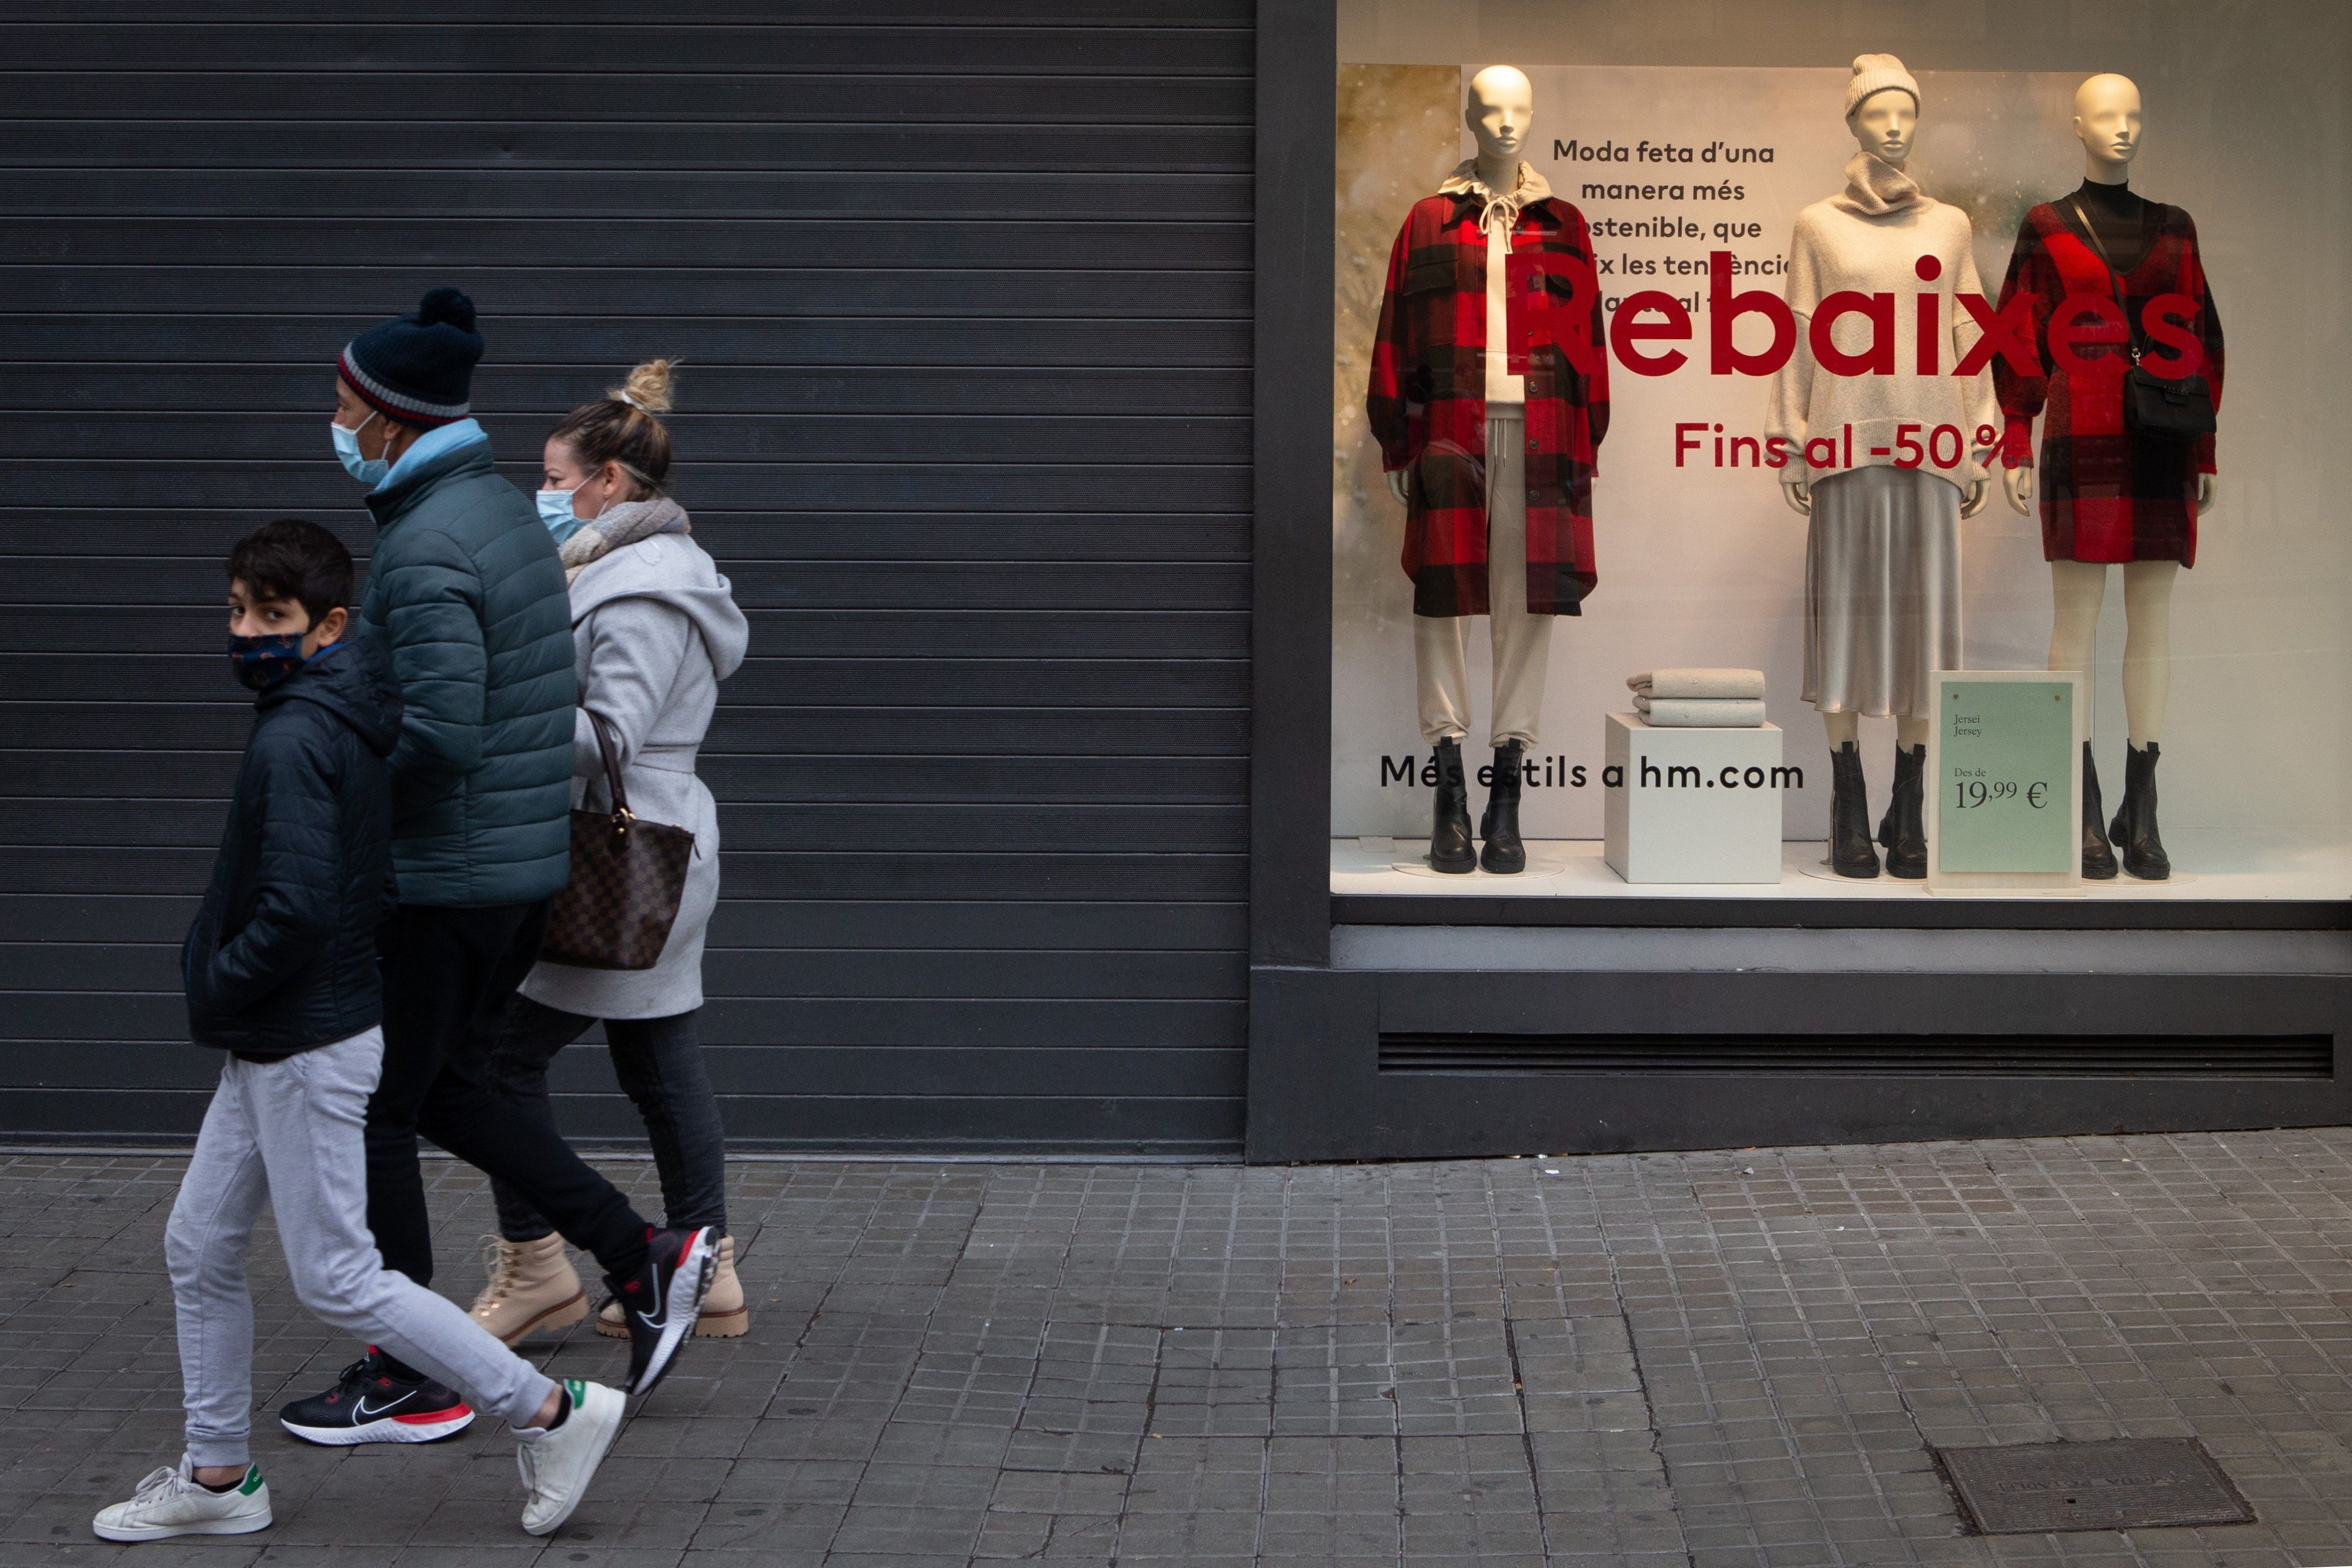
1814, 381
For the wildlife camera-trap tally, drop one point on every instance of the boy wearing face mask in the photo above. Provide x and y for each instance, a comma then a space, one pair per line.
465, 595
280, 973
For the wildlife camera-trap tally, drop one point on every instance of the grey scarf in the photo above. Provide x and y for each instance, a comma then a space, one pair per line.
620, 525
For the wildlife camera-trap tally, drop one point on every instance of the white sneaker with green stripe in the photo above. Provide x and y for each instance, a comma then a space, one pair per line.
558, 1462
170, 1503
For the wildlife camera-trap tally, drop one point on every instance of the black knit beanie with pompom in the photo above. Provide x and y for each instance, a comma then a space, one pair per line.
419, 369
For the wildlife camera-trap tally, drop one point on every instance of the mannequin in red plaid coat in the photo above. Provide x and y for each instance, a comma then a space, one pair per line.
1428, 402
2111, 495
1489, 443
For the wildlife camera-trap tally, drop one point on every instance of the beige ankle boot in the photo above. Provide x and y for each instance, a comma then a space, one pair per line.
532, 1286
725, 1315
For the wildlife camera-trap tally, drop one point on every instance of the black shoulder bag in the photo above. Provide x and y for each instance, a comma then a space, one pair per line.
2174, 408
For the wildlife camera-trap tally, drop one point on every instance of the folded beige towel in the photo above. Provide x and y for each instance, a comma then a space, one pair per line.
1746, 684
1700, 713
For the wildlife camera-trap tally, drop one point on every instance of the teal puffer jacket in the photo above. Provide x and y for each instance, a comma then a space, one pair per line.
466, 594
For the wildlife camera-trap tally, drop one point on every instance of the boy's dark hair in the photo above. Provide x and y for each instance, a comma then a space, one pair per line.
290, 558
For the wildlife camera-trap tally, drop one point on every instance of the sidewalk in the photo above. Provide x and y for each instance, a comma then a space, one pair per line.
1709, 1359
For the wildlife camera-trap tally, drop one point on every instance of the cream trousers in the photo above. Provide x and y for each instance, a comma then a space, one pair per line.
1521, 642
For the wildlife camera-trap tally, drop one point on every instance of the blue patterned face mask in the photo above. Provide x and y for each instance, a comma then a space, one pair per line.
260, 662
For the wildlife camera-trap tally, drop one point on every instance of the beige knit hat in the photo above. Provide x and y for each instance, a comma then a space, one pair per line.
1877, 73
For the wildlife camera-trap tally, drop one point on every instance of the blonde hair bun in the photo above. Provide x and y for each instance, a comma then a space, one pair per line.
625, 426
647, 388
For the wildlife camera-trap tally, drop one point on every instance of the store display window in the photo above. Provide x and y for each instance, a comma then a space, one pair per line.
1909, 473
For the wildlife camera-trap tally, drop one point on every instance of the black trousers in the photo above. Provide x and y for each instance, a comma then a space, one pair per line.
659, 1064
448, 975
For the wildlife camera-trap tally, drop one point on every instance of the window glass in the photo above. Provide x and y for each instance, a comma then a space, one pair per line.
1923, 392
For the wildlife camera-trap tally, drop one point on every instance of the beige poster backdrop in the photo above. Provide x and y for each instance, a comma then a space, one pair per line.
1701, 565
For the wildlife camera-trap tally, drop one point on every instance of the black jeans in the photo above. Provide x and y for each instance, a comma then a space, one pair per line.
448, 975
659, 1064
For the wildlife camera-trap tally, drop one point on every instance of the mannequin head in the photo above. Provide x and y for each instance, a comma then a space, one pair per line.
2107, 123
1882, 108
1886, 124
1500, 107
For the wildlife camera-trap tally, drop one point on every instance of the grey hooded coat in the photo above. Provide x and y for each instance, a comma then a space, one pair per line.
654, 631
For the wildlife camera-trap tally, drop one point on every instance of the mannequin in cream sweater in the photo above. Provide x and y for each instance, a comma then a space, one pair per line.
1881, 236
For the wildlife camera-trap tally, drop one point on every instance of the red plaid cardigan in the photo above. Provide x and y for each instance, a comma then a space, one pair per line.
2107, 495
1428, 398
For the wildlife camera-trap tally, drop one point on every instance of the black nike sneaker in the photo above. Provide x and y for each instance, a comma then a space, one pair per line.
661, 1301
372, 1403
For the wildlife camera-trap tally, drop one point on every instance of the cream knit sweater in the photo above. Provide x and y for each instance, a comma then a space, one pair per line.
1840, 247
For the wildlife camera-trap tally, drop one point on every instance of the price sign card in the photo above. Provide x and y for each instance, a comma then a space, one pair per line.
2004, 781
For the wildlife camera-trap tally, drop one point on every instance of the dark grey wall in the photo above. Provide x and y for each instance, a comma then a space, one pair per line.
964, 295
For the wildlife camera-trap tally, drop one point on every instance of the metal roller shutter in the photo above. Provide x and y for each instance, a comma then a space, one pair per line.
963, 293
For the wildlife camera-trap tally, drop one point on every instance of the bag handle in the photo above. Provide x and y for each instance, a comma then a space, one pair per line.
622, 815
2115, 278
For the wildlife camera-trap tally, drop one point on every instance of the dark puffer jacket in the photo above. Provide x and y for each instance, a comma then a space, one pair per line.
281, 958
465, 591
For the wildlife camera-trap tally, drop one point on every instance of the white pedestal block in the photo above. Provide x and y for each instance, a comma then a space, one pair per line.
1692, 805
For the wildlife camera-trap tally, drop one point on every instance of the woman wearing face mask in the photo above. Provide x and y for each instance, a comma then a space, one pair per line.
654, 631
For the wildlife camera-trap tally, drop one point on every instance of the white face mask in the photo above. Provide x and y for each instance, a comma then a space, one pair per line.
367, 470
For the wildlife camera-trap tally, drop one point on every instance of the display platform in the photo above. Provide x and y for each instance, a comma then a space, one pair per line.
2230, 867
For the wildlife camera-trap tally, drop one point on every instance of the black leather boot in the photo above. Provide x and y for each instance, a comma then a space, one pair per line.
1906, 828
1885, 840
1850, 851
1498, 825
2098, 855
1450, 846
2133, 829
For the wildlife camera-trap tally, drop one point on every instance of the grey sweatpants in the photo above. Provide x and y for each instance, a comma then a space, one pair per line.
288, 1133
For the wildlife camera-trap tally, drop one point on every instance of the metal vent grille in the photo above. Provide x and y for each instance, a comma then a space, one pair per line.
1928, 1055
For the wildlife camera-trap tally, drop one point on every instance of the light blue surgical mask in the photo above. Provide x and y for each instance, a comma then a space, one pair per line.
555, 511
367, 470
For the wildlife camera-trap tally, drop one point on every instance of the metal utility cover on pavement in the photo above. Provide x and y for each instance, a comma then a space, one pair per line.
2141, 1483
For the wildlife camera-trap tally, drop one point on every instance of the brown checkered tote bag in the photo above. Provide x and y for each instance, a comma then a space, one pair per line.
627, 878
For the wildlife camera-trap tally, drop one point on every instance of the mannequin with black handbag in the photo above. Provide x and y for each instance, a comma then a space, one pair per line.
2128, 401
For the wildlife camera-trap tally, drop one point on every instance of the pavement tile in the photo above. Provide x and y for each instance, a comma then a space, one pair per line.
1696, 1359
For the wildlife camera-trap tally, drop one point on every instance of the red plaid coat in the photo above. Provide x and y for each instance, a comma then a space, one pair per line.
2107, 495
1428, 398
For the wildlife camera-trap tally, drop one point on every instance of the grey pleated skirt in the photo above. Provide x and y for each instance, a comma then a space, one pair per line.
1882, 590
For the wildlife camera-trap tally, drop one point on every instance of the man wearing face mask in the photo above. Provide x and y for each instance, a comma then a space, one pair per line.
464, 592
